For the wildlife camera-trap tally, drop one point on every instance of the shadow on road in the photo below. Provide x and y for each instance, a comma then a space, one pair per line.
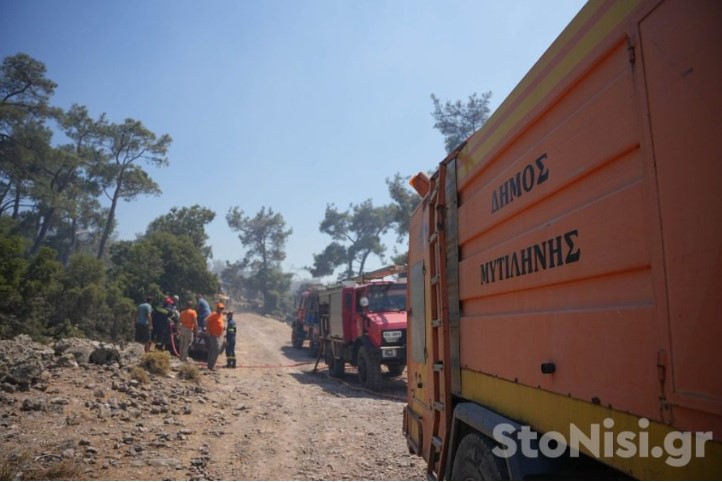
299, 355
349, 386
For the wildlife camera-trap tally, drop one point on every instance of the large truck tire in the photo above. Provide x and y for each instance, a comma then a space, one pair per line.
369, 370
199, 348
475, 460
313, 350
296, 340
314, 344
336, 366
396, 369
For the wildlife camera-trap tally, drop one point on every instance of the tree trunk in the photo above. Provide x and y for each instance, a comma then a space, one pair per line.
43, 232
16, 204
109, 223
72, 245
363, 262
2, 199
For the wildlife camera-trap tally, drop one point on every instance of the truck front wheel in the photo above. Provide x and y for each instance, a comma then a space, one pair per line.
395, 369
475, 460
369, 370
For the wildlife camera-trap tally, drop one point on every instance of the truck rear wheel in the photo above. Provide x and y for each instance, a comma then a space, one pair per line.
475, 460
369, 370
314, 343
296, 340
336, 366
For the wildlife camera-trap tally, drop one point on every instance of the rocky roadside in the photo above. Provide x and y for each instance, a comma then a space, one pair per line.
72, 411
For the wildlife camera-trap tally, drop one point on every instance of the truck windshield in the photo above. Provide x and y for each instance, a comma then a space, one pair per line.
388, 297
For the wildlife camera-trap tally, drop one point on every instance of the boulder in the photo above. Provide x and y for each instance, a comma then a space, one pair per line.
104, 355
130, 354
66, 360
81, 348
23, 361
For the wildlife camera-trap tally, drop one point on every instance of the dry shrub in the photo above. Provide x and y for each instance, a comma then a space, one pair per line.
156, 362
188, 371
7, 470
139, 373
12, 464
65, 469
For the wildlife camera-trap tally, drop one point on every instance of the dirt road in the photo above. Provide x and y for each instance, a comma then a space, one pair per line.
301, 425
269, 419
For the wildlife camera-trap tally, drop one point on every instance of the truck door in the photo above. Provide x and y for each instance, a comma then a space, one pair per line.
681, 45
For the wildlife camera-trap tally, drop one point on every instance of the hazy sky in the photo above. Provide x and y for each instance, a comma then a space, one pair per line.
288, 104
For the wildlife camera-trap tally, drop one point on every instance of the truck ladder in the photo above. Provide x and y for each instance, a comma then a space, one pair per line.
439, 352
379, 273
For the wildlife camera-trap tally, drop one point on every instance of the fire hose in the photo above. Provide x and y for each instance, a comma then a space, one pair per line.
292, 365
172, 339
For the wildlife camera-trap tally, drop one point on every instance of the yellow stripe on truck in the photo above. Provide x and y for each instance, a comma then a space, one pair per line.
543, 411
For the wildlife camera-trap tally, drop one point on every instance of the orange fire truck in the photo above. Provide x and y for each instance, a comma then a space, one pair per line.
565, 263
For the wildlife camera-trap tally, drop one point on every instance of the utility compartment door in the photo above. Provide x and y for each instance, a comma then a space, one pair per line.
417, 411
417, 329
682, 51
419, 414
335, 301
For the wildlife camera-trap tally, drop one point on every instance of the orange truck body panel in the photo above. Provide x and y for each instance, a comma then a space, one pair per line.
583, 228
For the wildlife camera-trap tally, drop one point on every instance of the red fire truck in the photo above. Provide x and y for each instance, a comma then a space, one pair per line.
305, 325
363, 323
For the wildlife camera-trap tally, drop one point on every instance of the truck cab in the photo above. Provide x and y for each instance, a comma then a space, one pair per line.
382, 312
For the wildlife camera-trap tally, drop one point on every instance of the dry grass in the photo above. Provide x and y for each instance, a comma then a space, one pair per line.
156, 362
8, 469
139, 373
188, 371
21, 466
12, 464
65, 469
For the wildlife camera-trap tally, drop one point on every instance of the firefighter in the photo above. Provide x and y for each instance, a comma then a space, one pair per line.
215, 327
187, 329
230, 341
160, 334
203, 309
